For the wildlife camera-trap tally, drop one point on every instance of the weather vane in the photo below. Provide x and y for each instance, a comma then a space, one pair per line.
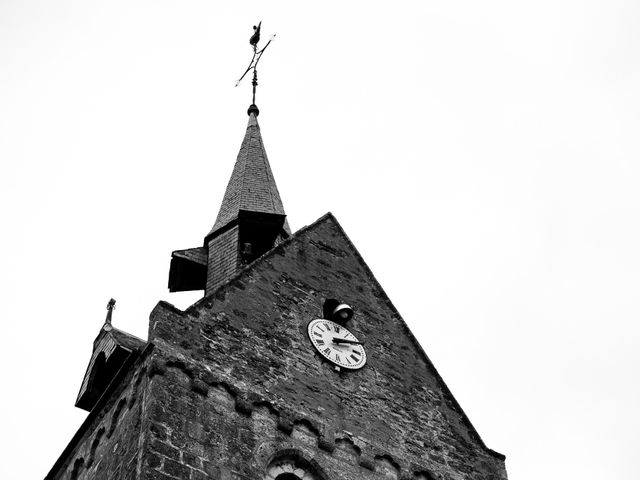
253, 65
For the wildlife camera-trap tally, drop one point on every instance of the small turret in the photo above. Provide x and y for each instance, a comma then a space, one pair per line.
111, 350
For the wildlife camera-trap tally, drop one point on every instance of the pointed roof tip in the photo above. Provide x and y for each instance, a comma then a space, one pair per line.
252, 187
253, 121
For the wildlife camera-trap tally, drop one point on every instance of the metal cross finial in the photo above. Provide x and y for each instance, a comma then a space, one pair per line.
253, 65
111, 305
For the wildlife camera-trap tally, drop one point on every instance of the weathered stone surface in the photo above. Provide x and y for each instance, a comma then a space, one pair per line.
109, 443
394, 417
232, 388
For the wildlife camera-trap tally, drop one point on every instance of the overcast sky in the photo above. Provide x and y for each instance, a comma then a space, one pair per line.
482, 156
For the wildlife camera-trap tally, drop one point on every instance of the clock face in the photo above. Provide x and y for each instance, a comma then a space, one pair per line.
337, 344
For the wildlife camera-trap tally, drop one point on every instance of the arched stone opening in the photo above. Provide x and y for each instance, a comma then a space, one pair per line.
288, 476
290, 465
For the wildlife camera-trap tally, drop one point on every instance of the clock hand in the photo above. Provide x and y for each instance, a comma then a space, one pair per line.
344, 340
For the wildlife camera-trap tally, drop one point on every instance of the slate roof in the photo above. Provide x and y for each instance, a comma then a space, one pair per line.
109, 342
252, 186
197, 255
128, 341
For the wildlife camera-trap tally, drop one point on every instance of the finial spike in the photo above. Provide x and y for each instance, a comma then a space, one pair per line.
111, 305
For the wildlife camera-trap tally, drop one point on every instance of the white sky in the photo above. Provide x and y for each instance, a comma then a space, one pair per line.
483, 157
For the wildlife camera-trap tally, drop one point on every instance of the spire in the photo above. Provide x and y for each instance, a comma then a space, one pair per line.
251, 220
251, 187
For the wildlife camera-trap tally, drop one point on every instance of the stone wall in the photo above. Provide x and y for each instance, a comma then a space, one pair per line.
206, 429
108, 444
236, 380
223, 259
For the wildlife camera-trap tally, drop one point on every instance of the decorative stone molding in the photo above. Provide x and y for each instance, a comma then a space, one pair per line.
245, 403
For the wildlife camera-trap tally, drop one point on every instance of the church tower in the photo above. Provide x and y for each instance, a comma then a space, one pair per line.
294, 365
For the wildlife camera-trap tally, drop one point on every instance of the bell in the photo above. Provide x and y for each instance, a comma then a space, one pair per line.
342, 313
